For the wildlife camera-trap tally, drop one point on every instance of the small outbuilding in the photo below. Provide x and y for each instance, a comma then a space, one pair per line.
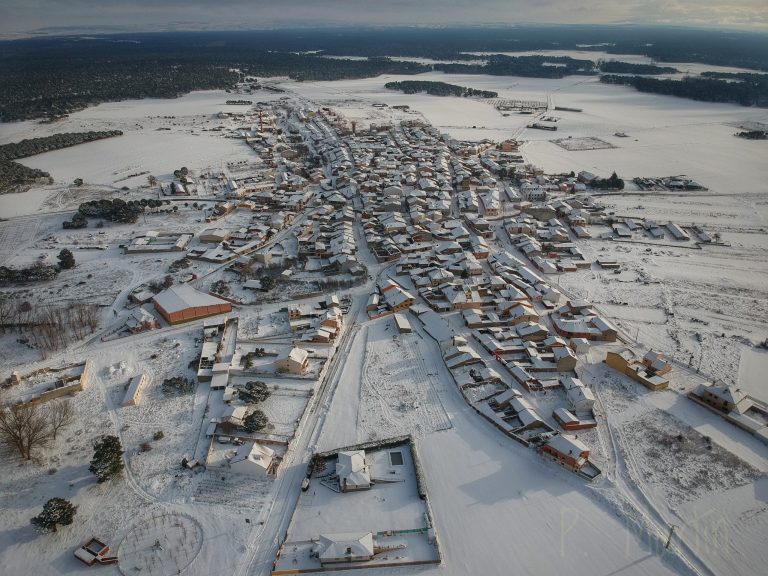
135, 388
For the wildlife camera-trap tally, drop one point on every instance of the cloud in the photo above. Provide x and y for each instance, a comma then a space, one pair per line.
27, 15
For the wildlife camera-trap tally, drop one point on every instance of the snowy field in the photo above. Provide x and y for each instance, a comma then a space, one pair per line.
497, 505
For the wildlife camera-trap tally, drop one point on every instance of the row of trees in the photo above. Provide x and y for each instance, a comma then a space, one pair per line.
114, 210
32, 146
254, 392
743, 89
38, 272
612, 183
438, 89
617, 67
528, 66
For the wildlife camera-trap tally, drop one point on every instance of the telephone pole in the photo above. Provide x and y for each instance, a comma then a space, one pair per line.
669, 537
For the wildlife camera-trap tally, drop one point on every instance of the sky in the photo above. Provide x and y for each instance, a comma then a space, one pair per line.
22, 17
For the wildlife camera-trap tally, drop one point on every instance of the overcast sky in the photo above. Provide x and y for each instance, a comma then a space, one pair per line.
24, 16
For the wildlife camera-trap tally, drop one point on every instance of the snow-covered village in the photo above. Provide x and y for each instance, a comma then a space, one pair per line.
301, 327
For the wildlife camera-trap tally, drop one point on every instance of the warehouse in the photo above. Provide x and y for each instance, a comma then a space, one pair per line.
183, 303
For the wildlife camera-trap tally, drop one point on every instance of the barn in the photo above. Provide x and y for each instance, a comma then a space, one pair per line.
183, 303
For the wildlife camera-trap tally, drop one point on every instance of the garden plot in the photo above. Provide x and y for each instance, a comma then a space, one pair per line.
161, 545
263, 323
398, 395
392, 509
284, 409
232, 490
585, 143
679, 462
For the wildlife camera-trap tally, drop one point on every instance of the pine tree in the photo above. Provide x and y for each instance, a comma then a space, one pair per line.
254, 392
66, 259
107, 458
255, 421
55, 511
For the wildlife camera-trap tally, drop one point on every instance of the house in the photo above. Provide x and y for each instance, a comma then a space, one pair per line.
183, 303
567, 450
140, 320
214, 235
725, 398
254, 459
624, 361
655, 361
293, 361
581, 398
344, 547
569, 421
353, 471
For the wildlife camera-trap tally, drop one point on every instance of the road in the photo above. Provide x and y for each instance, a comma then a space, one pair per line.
264, 544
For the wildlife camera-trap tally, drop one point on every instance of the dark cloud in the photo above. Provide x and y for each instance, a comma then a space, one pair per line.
18, 16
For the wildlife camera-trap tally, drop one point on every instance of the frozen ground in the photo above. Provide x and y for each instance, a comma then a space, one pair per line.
496, 504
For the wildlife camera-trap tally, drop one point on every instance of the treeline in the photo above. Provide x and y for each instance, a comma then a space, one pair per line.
438, 89
753, 135
35, 273
57, 77
115, 210
612, 183
48, 77
34, 146
527, 66
752, 90
14, 175
48, 327
616, 67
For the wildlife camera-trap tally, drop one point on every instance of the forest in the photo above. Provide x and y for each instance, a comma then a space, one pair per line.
528, 66
53, 76
33, 146
438, 89
14, 176
616, 67
749, 90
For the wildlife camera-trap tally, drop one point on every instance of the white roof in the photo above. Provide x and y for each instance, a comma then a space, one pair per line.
183, 296
295, 354
351, 466
566, 444
345, 544
254, 453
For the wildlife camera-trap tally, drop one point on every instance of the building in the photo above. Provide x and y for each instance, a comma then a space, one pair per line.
626, 362
183, 303
581, 398
254, 459
293, 361
403, 326
567, 450
353, 471
135, 388
725, 398
140, 320
345, 547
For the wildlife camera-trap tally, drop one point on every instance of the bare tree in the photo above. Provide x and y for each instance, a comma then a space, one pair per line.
61, 414
25, 428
